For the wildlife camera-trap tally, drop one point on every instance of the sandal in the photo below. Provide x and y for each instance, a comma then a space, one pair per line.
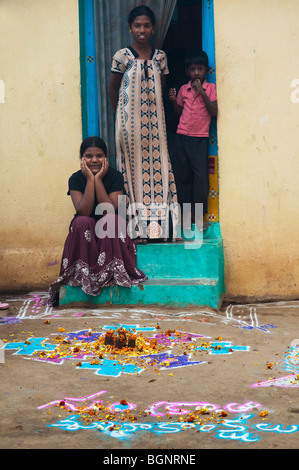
204, 226
141, 241
3, 306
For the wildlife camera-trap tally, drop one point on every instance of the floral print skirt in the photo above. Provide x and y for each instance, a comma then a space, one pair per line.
97, 255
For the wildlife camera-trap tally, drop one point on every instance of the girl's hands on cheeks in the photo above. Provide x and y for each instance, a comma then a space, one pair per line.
85, 170
103, 171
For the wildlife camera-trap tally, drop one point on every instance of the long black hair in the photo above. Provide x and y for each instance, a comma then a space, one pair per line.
93, 141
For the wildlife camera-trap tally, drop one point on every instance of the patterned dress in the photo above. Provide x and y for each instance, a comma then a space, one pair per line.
141, 145
93, 258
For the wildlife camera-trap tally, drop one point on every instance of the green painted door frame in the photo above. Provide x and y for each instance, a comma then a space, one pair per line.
88, 68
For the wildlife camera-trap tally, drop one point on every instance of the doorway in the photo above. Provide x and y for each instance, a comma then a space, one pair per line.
184, 34
192, 26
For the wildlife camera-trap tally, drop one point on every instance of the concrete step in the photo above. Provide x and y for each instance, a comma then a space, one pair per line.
180, 260
201, 257
184, 273
162, 292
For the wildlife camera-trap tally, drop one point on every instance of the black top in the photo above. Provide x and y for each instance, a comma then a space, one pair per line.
113, 181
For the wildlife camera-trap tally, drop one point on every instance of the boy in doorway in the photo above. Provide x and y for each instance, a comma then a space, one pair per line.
195, 104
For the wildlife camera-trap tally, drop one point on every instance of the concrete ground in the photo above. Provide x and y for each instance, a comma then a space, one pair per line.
224, 379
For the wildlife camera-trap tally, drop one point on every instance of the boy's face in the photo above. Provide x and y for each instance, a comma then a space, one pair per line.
196, 71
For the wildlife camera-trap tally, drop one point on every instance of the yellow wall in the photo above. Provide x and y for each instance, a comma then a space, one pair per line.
257, 50
40, 128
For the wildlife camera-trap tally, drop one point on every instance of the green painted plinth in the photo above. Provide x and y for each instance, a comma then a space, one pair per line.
187, 273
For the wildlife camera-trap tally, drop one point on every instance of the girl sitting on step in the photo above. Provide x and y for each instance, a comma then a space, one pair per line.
98, 251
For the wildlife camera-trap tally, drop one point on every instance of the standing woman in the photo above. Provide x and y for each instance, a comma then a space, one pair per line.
98, 251
137, 77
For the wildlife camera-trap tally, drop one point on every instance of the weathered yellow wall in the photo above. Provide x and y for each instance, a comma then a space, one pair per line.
40, 128
257, 50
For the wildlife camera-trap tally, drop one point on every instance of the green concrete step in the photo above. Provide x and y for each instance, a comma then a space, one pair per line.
172, 293
201, 257
180, 260
179, 274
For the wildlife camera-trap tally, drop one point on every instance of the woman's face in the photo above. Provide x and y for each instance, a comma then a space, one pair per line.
142, 29
94, 158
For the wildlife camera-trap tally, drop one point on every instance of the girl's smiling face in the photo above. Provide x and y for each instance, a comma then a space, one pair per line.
142, 29
94, 158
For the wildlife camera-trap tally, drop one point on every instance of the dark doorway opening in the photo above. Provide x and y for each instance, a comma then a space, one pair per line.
184, 34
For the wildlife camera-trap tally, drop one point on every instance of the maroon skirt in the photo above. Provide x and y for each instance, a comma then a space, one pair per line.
97, 255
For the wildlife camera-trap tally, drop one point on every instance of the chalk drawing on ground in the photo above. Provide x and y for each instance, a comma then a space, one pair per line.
167, 350
237, 429
135, 328
290, 364
238, 315
184, 408
287, 381
169, 408
9, 320
221, 347
291, 360
30, 346
72, 404
246, 317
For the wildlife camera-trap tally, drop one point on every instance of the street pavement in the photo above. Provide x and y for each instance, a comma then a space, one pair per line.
194, 379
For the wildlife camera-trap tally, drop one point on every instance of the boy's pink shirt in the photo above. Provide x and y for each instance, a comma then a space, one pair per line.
195, 119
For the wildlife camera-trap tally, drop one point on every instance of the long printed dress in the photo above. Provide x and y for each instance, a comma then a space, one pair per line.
93, 259
141, 145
